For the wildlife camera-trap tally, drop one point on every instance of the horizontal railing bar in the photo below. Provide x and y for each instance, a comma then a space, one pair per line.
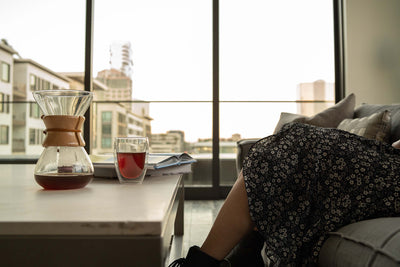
187, 101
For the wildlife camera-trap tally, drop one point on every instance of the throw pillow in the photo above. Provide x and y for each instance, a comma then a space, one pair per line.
375, 126
329, 118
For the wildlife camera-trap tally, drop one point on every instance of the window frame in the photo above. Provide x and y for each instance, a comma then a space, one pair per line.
8, 68
32, 82
216, 191
4, 131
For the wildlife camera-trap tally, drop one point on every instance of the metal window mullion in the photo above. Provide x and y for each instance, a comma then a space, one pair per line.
215, 128
88, 70
339, 39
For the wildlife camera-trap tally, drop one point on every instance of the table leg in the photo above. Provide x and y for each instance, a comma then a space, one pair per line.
179, 221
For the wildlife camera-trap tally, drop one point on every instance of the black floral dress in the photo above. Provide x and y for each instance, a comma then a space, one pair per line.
306, 181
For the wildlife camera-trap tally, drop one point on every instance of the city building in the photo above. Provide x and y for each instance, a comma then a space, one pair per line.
119, 86
6, 95
27, 126
77, 82
141, 109
227, 148
121, 57
119, 117
111, 123
169, 142
315, 91
113, 119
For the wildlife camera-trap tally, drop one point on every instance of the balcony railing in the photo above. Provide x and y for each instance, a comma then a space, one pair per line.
19, 91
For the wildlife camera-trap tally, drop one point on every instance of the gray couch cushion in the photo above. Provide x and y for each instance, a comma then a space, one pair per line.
367, 243
366, 110
375, 126
243, 147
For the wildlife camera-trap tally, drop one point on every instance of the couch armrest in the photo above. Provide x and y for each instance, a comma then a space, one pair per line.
373, 242
243, 147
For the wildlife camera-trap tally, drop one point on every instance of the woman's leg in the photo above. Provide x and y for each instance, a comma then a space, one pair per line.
232, 223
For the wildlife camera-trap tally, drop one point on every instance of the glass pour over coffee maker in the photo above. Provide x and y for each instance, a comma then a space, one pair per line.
64, 163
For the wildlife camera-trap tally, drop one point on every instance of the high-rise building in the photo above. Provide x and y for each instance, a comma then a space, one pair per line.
172, 141
121, 57
315, 91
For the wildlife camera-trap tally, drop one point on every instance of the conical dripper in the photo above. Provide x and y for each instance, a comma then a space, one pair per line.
63, 102
64, 163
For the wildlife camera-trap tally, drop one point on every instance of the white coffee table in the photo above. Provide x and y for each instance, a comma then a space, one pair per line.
104, 224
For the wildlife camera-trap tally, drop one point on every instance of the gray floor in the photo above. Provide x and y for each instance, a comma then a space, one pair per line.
199, 217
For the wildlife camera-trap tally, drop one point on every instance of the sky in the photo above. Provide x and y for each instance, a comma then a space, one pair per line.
266, 49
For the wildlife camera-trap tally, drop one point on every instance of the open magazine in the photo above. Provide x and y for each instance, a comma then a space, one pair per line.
165, 160
158, 164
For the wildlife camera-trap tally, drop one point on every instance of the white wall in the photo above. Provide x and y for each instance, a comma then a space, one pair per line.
372, 50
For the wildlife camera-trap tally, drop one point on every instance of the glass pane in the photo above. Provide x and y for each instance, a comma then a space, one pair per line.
51, 33
279, 52
159, 54
5, 72
165, 47
40, 41
275, 46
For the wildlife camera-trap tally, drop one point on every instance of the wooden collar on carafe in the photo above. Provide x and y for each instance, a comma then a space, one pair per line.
63, 130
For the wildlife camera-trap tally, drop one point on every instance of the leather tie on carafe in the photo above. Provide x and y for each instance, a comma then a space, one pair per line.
63, 130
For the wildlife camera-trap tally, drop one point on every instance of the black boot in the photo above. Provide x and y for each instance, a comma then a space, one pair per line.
248, 251
197, 258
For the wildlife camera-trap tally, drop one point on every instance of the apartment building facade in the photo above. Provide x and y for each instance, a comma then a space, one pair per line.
27, 126
6, 95
113, 119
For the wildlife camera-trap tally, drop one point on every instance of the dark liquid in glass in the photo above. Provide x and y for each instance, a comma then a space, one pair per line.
131, 165
63, 181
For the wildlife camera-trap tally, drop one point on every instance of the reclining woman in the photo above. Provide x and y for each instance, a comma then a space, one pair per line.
298, 185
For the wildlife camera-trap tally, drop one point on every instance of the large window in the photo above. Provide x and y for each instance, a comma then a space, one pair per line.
158, 53
167, 70
272, 55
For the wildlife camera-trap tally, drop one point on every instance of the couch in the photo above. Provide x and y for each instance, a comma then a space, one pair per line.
373, 242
